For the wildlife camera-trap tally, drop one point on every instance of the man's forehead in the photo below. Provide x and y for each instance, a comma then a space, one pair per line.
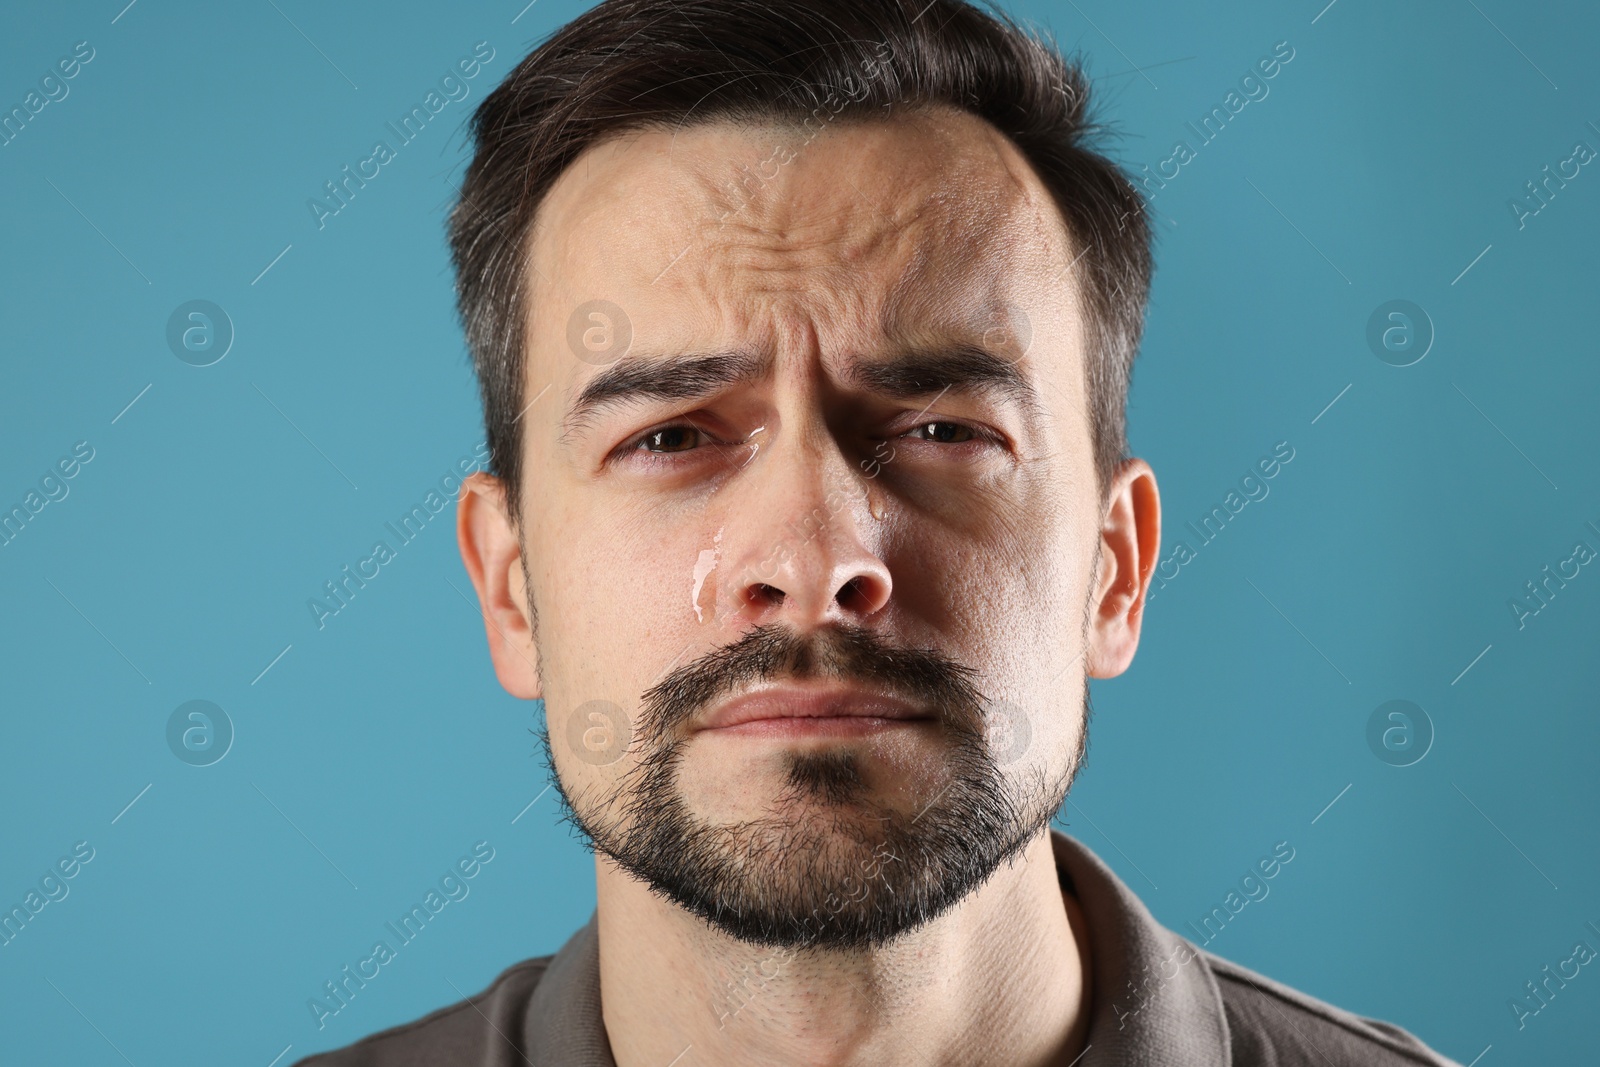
945, 174
885, 225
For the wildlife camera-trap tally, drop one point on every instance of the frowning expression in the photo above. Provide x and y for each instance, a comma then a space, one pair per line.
785, 425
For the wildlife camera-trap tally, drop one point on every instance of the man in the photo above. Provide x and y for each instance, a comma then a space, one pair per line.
804, 332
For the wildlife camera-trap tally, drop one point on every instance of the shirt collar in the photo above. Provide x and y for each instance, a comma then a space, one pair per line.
1153, 1000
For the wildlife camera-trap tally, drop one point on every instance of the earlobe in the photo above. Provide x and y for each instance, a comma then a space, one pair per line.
490, 551
1130, 543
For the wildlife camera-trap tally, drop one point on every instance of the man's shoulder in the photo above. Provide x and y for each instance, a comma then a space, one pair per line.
1271, 1023
485, 1028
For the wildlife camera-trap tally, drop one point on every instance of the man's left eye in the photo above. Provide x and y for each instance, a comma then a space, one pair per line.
670, 439
945, 433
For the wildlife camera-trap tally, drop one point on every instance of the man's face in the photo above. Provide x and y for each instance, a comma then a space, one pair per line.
807, 435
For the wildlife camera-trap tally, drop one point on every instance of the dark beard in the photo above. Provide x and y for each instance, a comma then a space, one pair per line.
839, 870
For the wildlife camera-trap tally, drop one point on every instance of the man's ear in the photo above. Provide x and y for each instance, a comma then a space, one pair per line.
489, 548
1130, 542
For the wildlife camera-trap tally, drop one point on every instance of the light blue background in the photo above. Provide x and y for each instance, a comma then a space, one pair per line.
376, 751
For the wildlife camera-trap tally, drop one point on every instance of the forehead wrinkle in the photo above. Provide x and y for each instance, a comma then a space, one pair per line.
839, 239
792, 209
851, 250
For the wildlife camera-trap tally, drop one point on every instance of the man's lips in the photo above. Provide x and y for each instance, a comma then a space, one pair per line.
812, 708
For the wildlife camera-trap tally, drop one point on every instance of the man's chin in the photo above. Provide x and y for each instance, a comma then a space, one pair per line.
817, 875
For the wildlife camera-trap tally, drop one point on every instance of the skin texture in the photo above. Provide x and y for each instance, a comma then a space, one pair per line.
989, 543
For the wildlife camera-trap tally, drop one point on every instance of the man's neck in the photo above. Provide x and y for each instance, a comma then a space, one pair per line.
1001, 978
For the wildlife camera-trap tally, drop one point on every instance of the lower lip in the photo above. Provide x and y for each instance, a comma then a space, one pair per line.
818, 726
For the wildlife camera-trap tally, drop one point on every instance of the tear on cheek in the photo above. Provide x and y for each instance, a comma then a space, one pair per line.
703, 593
704, 584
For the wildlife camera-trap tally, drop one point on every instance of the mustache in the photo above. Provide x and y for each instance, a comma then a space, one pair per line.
924, 676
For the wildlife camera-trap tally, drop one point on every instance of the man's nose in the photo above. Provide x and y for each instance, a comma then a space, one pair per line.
801, 543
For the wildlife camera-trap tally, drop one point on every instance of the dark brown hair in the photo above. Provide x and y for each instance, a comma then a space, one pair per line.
633, 64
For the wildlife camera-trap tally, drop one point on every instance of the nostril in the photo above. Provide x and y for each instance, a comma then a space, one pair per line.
852, 595
864, 594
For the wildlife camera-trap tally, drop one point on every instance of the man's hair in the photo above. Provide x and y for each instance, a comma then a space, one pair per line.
627, 65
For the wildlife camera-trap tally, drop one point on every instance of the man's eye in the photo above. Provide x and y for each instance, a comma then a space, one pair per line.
945, 433
670, 439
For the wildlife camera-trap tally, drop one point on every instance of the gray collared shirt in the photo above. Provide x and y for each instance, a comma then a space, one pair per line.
1156, 1001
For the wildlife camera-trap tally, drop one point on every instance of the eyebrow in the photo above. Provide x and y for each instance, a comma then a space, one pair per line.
912, 373
652, 378
940, 368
